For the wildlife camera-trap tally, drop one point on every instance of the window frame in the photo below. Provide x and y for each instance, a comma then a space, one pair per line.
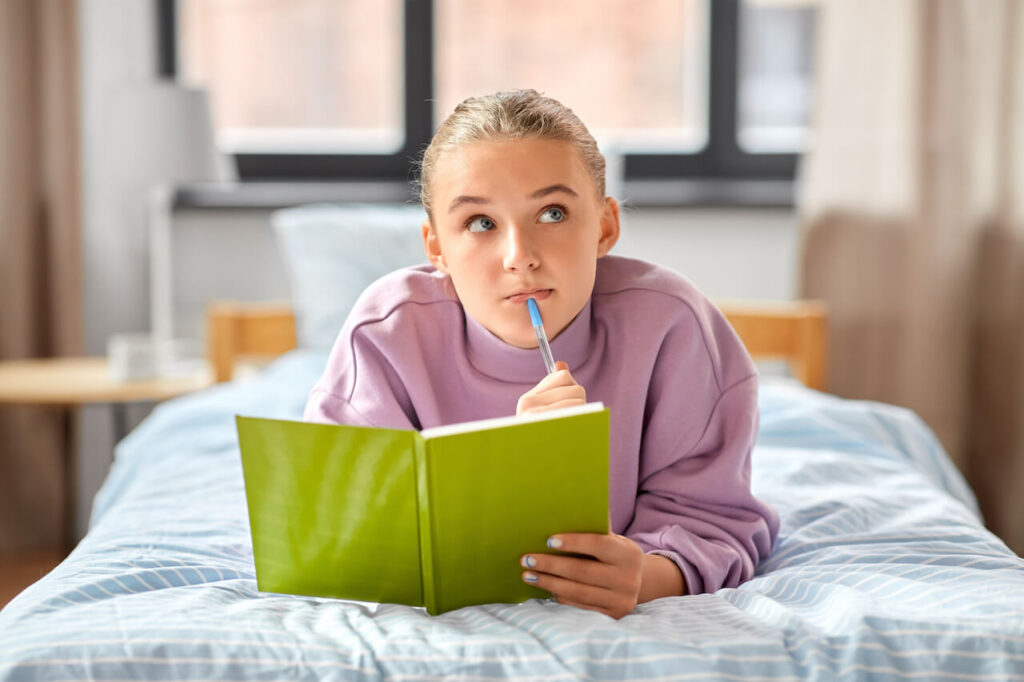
721, 158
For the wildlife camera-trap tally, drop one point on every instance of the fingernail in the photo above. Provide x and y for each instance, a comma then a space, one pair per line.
529, 561
554, 543
530, 577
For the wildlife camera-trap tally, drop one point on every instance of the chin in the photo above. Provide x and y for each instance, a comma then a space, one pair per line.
525, 343
519, 340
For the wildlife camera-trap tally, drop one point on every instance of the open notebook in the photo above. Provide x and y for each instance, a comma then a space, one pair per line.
437, 518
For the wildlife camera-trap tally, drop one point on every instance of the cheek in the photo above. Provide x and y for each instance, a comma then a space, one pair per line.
470, 275
585, 267
474, 258
581, 255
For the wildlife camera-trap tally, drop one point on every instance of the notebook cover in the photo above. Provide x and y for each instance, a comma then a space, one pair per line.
332, 509
497, 494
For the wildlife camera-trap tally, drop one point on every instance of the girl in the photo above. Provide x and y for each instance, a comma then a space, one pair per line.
513, 186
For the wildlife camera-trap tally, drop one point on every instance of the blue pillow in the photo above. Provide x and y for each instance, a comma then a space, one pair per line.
333, 252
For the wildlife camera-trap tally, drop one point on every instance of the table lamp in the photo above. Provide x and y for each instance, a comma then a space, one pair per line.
162, 135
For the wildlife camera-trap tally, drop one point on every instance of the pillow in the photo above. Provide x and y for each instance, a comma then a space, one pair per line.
333, 252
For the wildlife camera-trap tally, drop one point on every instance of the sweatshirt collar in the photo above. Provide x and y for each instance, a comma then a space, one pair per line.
499, 360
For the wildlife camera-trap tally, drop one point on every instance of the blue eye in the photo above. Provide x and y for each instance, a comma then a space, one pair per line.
481, 224
552, 214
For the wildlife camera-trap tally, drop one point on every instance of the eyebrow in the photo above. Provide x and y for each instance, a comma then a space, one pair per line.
551, 189
466, 199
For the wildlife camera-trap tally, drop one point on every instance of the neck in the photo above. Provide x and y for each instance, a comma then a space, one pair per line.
505, 362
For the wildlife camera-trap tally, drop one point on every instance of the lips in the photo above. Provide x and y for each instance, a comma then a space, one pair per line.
522, 296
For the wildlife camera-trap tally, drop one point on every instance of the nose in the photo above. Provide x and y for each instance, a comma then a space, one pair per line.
520, 251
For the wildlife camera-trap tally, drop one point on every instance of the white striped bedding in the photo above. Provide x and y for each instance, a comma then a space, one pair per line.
882, 570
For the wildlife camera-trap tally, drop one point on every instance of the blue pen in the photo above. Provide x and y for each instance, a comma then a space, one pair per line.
542, 338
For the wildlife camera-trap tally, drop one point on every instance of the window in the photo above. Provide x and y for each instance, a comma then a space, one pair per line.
635, 72
248, 53
776, 49
683, 88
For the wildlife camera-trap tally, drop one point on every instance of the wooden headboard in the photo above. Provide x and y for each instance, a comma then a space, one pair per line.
796, 332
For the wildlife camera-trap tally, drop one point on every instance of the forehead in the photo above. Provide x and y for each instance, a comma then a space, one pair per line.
492, 165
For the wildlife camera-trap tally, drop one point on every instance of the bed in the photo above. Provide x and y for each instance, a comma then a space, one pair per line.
882, 568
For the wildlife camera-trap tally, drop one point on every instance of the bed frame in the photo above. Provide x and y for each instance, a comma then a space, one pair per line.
796, 332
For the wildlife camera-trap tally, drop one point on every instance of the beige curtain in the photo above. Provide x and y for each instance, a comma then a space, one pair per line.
911, 205
40, 251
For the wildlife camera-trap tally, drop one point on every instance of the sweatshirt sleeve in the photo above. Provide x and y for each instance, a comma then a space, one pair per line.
359, 386
694, 504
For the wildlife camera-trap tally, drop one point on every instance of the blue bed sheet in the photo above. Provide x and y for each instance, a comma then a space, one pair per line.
882, 569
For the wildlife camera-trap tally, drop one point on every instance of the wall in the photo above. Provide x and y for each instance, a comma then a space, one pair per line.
118, 47
728, 253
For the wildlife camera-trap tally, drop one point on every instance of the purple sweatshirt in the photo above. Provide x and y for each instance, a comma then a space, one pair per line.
681, 389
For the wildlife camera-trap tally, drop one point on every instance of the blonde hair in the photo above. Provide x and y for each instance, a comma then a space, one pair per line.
516, 114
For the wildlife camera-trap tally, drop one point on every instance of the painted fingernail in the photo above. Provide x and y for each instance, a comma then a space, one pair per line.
554, 543
530, 577
529, 561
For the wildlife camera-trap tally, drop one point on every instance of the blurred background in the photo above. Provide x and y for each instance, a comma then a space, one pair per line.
868, 153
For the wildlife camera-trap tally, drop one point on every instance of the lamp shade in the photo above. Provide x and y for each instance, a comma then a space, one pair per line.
162, 133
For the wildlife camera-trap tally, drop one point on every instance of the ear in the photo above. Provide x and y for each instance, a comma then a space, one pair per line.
609, 227
432, 247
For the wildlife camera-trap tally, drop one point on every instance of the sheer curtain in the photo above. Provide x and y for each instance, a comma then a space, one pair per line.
913, 224
40, 250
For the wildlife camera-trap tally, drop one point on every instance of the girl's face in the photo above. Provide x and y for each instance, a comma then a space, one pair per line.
514, 219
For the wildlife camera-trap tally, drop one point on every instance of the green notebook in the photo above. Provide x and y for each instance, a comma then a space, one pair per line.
437, 518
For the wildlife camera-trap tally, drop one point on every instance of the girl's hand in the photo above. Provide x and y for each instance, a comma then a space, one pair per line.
554, 391
609, 583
